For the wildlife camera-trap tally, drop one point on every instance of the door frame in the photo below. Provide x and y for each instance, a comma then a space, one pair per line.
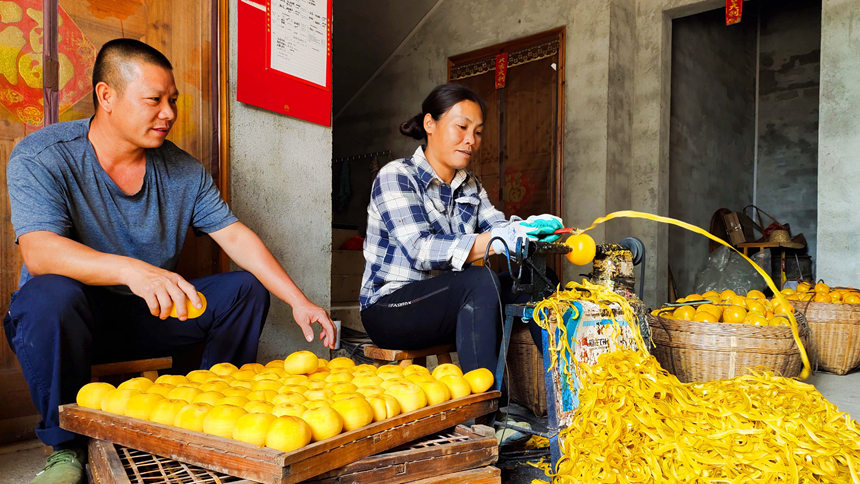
488, 53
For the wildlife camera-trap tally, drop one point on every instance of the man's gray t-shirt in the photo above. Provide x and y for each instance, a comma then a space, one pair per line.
57, 184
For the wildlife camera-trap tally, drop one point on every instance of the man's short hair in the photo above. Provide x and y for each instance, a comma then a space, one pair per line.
114, 54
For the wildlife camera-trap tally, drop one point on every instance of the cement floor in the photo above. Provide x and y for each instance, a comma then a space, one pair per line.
20, 462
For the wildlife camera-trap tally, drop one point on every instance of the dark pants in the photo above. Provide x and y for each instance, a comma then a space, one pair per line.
462, 307
58, 327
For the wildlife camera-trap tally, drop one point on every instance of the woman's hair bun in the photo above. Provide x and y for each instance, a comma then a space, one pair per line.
414, 127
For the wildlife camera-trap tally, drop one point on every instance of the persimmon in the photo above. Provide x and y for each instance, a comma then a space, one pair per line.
582, 249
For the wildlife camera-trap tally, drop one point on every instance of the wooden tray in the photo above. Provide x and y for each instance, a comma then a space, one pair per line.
454, 451
268, 465
460, 449
481, 475
112, 464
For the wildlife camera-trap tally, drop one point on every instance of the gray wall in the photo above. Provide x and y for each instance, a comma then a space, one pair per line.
839, 144
712, 131
787, 169
280, 170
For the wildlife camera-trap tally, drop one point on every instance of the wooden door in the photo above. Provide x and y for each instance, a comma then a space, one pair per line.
184, 31
519, 163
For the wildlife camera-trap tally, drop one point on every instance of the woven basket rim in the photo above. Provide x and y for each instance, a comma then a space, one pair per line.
805, 306
726, 329
854, 306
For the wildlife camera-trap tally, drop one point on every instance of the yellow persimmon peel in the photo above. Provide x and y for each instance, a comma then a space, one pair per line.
637, 423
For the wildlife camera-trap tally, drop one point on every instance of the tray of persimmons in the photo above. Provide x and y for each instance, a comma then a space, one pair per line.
285, 421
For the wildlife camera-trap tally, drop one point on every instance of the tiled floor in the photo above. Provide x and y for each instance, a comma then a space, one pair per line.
19, 462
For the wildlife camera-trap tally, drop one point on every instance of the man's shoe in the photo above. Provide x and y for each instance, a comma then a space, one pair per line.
63, 467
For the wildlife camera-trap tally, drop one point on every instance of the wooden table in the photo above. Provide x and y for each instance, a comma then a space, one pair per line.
777, 256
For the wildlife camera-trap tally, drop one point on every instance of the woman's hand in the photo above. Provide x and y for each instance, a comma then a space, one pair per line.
543, 227
509, 233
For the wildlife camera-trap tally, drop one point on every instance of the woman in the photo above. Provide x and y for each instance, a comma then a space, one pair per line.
428, 219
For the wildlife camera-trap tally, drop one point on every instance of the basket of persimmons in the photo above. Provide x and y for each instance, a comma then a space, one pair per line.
716, 335
834, 320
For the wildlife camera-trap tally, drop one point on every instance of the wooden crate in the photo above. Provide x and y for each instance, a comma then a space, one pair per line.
458, 450
460, 454
481, 475
525, 367
268, 465
113, 464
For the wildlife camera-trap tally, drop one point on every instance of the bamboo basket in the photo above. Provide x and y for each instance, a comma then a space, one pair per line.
695, 351
835, 335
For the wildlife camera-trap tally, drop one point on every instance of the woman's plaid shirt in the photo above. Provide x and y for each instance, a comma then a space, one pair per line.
418, 225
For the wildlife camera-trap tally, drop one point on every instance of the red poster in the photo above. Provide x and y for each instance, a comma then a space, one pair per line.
501, 70
284, 58
21, 61
734, 9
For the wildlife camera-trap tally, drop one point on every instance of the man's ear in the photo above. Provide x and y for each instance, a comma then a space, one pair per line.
429, 123
106, 96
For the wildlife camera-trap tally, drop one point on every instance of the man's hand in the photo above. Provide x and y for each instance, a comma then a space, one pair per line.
309, 313
250, 253
161, 289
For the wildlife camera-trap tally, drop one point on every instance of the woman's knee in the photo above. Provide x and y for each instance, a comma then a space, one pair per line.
481, 283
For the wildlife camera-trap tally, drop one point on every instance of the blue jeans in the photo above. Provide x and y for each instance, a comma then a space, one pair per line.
58, 327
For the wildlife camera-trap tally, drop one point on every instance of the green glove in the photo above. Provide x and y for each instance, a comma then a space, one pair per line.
543, 226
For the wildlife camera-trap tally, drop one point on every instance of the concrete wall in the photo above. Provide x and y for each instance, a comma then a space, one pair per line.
839, 143
712, 131
787, 168
839, 123
622, 48
280, 170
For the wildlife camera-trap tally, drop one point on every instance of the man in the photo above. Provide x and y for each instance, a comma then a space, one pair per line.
100, 209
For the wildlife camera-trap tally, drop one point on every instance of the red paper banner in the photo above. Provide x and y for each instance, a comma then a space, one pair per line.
519, 188
21, 61
260, 84
501, 70
734, 8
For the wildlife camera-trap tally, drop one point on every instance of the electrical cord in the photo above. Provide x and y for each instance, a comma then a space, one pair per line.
506, 376
505, 373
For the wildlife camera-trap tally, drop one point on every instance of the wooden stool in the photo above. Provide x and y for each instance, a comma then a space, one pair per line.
147, 368
405, 358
